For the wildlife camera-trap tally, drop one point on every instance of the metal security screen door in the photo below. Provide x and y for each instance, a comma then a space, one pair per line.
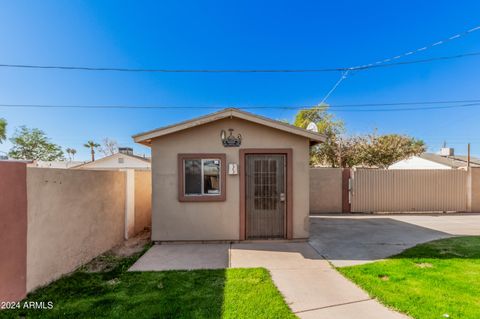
265, 201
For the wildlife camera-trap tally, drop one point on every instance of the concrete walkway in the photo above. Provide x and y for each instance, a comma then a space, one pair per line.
183, 257
311, 287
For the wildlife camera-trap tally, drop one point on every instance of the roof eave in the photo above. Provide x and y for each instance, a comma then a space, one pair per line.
146, 137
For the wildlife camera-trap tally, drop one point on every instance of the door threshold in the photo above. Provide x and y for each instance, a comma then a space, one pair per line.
274, 240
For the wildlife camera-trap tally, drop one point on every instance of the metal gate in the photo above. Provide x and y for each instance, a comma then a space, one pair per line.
265, 196
375, 190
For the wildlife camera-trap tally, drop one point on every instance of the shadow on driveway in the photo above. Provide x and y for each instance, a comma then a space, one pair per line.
350, 241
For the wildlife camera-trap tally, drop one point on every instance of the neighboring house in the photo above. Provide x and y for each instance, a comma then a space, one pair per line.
230, 175
444, 160
124, 159
55, 164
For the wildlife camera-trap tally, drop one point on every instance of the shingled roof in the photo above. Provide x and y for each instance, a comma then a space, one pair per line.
455, 161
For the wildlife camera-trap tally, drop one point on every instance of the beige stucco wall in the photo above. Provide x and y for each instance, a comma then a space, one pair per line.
143, 200
325, 190
174, 220
73, 216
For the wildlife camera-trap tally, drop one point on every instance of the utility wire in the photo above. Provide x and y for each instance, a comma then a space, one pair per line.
84, 68
382, 63
411, 108
345, 70
338, 108
313, 70
342, 77
441, 58
408, 103
421, 49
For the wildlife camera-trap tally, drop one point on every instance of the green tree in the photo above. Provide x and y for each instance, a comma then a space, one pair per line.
326, 153
3, 130
92, 146
384, 150
326, 122
339, 151
33, 144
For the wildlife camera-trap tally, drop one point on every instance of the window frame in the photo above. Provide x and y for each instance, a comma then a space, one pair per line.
182, 197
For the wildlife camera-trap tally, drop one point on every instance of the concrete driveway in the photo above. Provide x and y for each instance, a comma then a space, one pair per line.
355, 239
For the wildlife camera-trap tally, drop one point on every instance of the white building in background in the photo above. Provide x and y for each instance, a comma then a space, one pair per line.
55, 164
445, 159
124, 159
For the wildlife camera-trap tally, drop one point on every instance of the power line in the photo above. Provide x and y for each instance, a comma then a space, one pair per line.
407, 103
382, 63
441, 58
342, 77
313, 70
412, 108
115, 69
337, 108
418, 50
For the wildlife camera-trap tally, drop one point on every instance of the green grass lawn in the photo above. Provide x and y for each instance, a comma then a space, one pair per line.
433, 280
115, 293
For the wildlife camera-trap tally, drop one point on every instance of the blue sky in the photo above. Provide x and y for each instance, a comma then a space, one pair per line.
235, 34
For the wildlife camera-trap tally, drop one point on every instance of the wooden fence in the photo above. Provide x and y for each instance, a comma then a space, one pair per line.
374, 190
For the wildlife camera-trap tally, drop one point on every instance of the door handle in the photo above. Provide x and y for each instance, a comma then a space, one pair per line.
282, 197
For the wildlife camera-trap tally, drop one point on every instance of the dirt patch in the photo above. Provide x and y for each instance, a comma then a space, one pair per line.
384, 277
104, 262
451, 252
113, 282
424, 265
107, 261
132, 245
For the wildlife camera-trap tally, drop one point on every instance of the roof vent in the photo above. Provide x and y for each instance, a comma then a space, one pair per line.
125, 150
447, 151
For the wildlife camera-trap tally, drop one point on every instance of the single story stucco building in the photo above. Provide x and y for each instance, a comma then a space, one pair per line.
123, 159
230, 175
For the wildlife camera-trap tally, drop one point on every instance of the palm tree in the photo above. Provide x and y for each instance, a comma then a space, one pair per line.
67, 150
92, 145
71, 153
